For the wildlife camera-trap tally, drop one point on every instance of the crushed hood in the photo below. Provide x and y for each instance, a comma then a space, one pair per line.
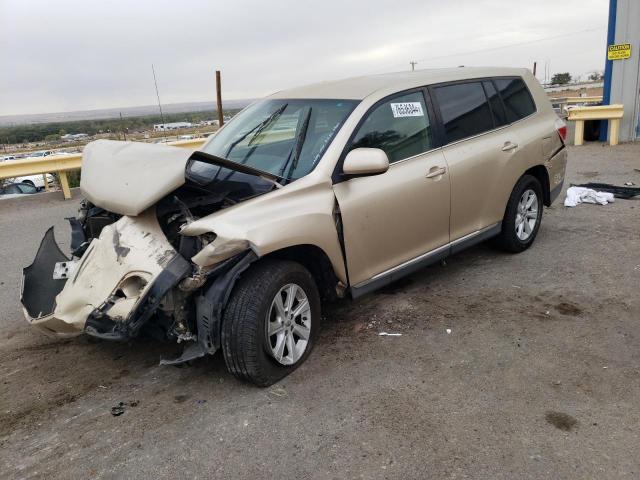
129, 177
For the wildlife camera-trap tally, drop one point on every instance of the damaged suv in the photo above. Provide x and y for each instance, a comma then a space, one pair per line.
325, 191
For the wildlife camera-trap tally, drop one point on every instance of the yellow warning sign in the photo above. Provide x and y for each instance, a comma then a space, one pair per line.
619, 51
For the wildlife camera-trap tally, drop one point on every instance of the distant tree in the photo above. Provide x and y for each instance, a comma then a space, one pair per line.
561, 78
596, 76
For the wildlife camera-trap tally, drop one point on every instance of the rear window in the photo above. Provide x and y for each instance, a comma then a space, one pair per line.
464, 110
517, 100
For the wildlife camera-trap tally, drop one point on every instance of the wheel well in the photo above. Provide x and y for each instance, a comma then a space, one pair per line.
317, 262
543, 177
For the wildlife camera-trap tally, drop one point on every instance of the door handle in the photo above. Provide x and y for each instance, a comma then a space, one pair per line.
509, 146
436, 172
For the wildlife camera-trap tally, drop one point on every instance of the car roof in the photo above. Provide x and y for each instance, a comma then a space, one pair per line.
358, 88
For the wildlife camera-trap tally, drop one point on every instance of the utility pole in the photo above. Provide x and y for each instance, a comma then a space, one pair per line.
413, 65
124, 133
219, 98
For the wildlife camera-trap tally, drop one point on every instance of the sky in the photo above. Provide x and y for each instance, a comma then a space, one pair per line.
67, 55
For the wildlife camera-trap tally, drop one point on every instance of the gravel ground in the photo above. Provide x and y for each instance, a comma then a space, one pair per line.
539, 376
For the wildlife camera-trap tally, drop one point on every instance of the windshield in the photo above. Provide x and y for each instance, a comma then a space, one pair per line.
284, 137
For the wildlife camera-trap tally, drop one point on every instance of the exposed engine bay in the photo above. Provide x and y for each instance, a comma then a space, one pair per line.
127, 269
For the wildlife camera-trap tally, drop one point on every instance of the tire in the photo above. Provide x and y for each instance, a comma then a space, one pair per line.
249, 352
513, 238
29, 182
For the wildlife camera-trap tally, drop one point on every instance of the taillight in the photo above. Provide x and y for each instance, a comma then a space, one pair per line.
561, 127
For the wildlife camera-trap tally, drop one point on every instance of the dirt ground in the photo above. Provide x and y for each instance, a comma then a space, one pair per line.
539, 376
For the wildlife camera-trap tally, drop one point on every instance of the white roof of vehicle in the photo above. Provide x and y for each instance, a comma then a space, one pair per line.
357, 88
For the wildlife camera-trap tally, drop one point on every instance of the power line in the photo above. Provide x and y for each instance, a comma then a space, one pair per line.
491, 49
518, 44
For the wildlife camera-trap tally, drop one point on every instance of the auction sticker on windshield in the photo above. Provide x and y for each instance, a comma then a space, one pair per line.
408, 109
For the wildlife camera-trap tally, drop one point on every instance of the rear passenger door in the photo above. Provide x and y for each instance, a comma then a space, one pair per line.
480, 145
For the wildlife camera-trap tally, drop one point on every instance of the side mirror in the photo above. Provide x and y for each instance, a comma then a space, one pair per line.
365, 161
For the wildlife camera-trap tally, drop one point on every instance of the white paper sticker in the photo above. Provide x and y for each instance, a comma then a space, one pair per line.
408, 109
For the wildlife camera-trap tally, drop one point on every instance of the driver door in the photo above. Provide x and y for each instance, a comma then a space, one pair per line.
396, 221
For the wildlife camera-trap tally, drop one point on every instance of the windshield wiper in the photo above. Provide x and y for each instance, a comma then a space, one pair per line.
205, 157
297, 148
258, 128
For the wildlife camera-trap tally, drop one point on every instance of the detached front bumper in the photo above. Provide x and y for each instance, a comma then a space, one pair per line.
115, 287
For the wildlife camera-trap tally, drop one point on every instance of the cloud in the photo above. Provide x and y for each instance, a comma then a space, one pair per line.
73, 55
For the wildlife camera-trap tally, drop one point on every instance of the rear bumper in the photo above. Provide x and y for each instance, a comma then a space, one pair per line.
116, 286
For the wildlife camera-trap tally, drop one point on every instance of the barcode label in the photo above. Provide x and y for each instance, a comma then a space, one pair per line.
408, 109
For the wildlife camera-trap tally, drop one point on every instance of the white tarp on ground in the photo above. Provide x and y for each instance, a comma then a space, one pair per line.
576, 195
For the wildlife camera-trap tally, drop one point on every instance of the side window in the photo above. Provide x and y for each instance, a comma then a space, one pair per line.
516, 97
464, 109
399, 126
496, 104
26, 188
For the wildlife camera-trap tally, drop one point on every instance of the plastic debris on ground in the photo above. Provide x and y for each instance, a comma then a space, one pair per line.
385, 334
120, 408
448, 331
576, 195
617, 191
278, 392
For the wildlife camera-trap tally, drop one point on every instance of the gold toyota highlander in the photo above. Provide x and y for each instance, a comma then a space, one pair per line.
330, 190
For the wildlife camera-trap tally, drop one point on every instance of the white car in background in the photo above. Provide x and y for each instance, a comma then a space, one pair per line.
35, 180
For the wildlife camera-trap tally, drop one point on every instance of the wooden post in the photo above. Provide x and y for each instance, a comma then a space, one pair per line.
219, 98
614, 130
579, 138
64, 184
46, 181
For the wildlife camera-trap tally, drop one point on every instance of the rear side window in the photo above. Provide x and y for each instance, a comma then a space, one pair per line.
517, 100
497, 109
399, 126
26, 188
464, 110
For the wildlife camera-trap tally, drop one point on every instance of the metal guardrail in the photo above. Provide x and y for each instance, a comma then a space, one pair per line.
573, 100
613, 113
61, 164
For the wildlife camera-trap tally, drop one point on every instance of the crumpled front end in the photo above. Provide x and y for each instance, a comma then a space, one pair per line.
112, 289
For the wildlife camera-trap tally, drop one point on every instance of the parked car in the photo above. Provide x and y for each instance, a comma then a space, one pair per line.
15, 189
43, 153
325, 191
8, 157
35, 180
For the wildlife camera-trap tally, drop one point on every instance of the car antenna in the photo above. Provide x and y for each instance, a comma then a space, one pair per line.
164, 130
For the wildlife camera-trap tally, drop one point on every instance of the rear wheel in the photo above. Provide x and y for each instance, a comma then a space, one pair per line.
29, 182
271, 322
522, 216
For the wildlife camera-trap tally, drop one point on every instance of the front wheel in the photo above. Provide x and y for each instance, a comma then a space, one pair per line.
522, 216
271, 322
